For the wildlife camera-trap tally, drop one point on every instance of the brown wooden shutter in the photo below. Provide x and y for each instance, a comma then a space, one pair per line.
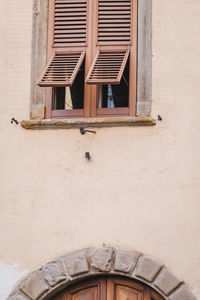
114, 28
70, 22
108, 67
62, 69
114, 22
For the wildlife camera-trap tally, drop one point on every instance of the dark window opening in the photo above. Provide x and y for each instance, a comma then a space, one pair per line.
70, 97
111, 96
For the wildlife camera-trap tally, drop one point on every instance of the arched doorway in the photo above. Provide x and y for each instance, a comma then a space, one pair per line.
108, 288
154, 280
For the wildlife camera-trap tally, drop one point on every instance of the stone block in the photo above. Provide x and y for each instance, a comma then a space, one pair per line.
166, 281
125, 261
18, 296
101, 259
182, 293
144, 108
54, 272
147, 268
38, 111
76, 262
35, 285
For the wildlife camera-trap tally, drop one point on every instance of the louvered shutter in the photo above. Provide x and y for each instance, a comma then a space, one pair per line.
70, 22
62, 69
108, 67
69, 30
114, 22
114, 28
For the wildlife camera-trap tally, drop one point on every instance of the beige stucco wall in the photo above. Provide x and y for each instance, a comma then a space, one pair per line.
140, 190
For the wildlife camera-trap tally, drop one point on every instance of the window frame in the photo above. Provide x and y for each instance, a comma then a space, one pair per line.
142, 103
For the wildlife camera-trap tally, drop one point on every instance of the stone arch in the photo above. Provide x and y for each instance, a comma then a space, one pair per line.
86, 263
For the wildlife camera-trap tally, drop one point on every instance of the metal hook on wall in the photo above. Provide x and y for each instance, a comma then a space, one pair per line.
13, 120
83, 131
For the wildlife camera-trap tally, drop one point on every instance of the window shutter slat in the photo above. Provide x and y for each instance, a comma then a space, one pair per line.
107, 67
62, 69
70, 15
114, 22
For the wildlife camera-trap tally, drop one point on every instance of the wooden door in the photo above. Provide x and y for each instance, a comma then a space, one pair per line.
113, 288
89, 290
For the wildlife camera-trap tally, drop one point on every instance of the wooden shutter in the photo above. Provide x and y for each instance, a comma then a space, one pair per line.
114, 22
114, 28
62, 69
108, 67
70, 22
68, 28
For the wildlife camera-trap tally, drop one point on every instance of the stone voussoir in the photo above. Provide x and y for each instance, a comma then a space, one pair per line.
166, 281
18, 296
54, 272
41, 284
35, 285
125, 261
76, 262
147, 268
101, 259
182, 293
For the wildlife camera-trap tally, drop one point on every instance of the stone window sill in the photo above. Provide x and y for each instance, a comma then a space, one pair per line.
88, 122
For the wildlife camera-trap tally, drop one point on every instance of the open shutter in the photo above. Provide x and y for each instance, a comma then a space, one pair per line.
62, 69
70, 22
114, 28
69, 29
114, 22
108, 67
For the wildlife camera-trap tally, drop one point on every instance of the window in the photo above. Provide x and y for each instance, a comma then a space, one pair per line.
108, 289
92, 58
47, 102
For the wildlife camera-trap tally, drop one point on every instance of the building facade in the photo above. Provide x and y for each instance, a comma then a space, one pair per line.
132, 209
